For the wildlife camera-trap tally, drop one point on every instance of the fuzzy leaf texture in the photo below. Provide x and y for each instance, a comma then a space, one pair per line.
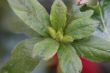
21, 60
45, 49
93, 48
58, 15
80, 28
67, 33
18, 26
69, 61
32, 13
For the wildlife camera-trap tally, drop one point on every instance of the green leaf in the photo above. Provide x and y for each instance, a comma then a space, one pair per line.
93, 48
45, 49
106, 3
21, 60
32, 13
58, 15
69, 60
77, 13
81, 28
20, 27
99, 12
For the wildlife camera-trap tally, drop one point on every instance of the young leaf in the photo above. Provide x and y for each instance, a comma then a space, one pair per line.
21, 60
80, 28
45, 49
67, 39
52, 32
93, 48
69, 60
58, 15
32, 13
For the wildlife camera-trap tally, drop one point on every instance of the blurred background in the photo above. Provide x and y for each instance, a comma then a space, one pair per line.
9, 39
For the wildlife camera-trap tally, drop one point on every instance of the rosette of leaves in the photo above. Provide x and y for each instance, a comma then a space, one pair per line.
71, 38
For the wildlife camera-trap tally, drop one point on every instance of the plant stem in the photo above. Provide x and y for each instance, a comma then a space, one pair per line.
102, 16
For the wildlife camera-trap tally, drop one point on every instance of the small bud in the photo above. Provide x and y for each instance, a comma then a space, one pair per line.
59, 36
67, 39
52, 32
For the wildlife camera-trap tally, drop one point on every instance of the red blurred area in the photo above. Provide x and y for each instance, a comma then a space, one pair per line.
88, 66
